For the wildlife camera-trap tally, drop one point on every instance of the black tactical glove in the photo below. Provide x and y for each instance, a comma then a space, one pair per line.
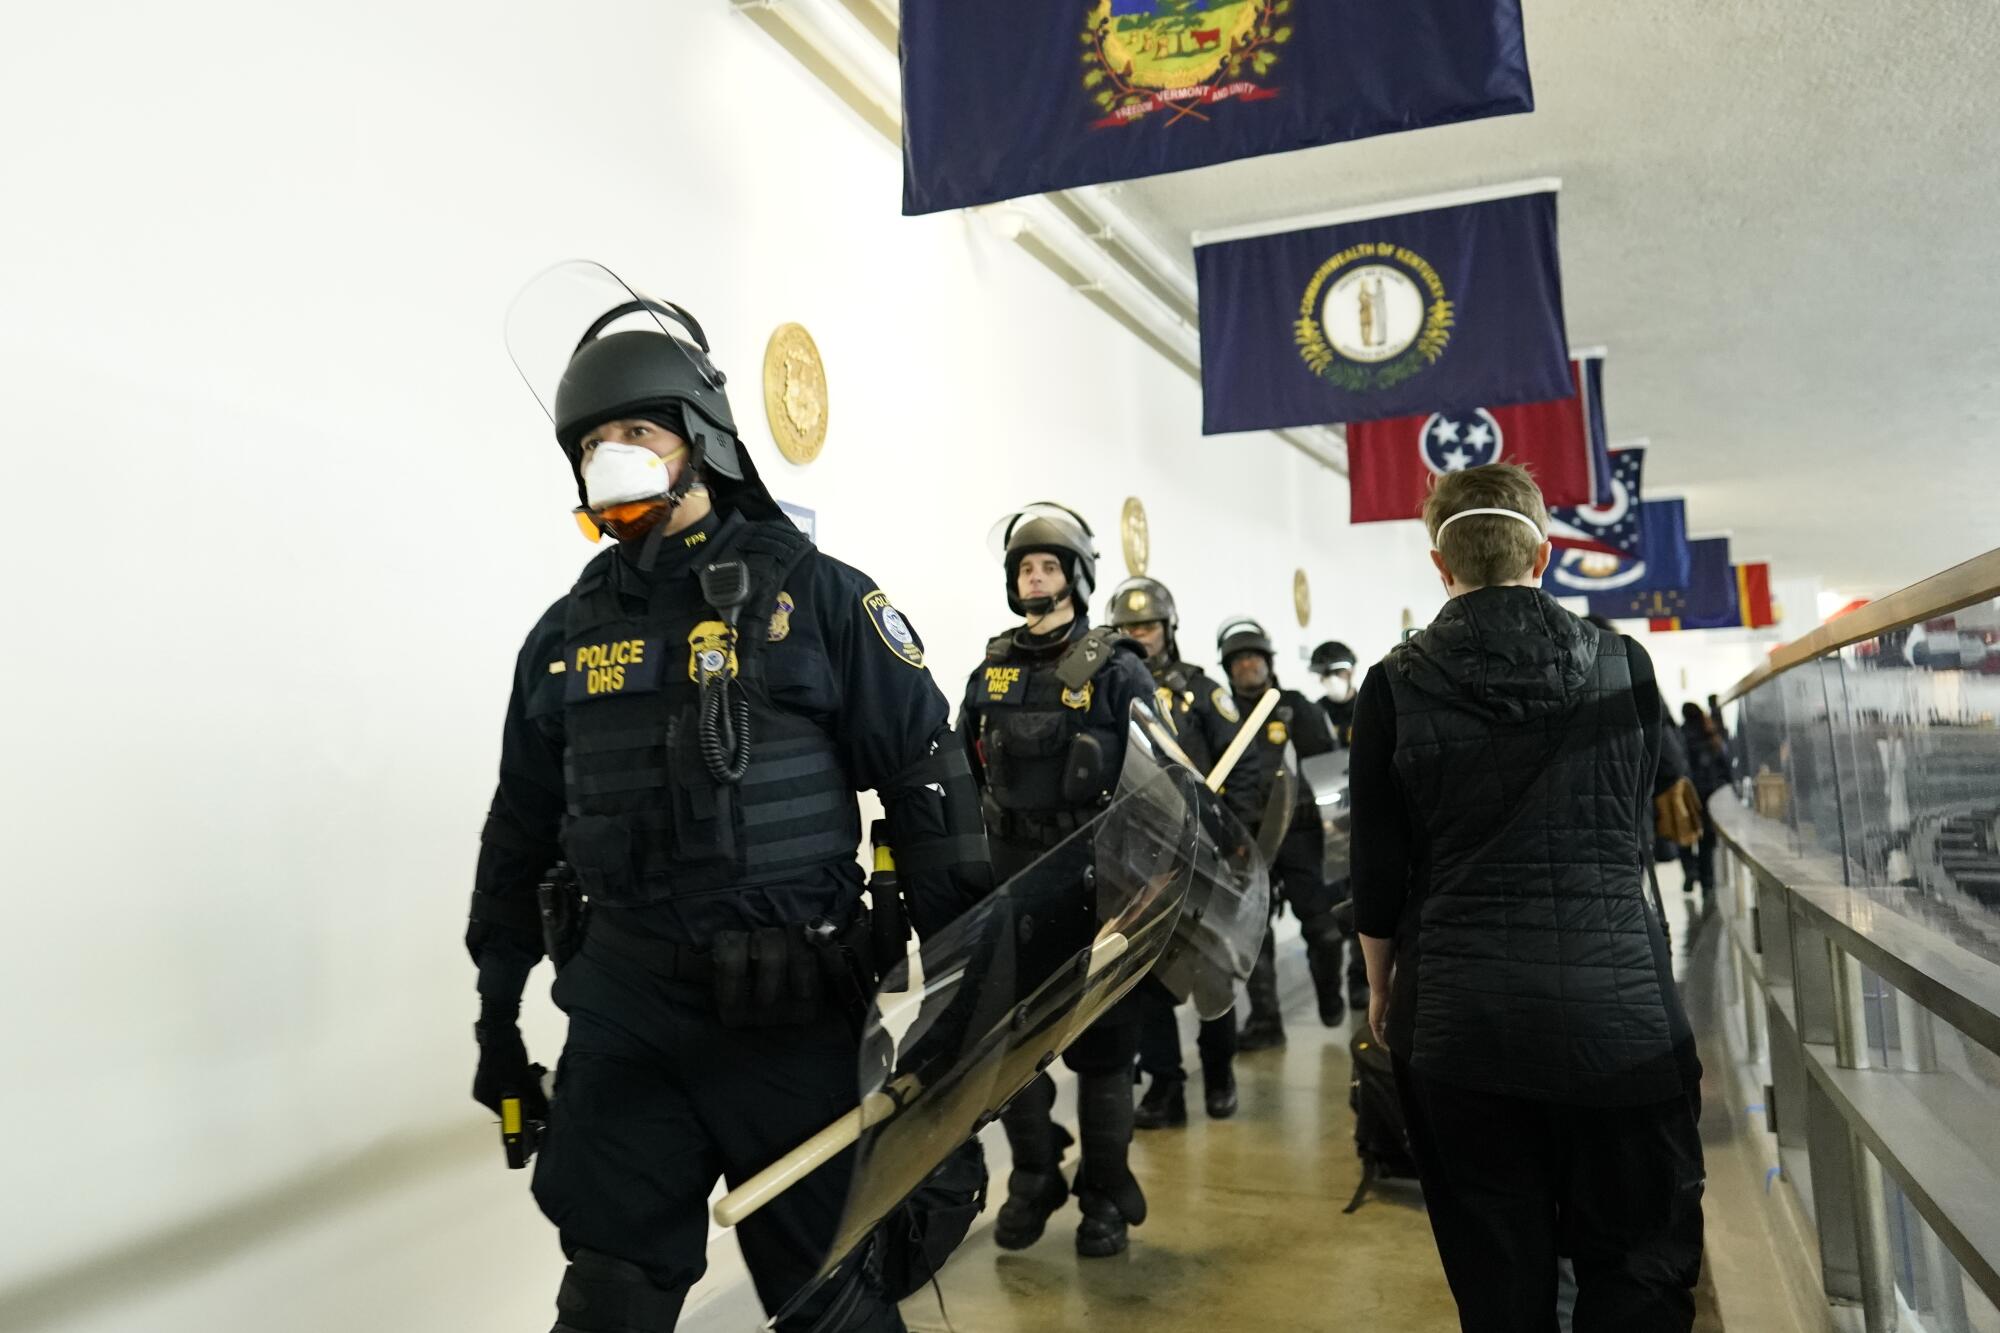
504, 1070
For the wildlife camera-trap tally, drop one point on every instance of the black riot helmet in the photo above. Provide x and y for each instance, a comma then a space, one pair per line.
1141, 601
1242, 635
1051, 529
595, 350
1333, 655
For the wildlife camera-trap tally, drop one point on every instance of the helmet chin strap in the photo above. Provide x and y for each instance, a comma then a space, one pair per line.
1037, 607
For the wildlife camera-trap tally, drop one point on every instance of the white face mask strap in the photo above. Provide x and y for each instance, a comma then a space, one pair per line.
1540, 536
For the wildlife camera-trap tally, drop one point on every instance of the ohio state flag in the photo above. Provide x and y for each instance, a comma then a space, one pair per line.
1391, 465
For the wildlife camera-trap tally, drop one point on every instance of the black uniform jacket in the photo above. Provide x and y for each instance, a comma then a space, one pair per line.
837, 652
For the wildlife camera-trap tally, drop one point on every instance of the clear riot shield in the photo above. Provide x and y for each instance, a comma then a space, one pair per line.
989, 1002
1281, 805
1325, 777
1228, 907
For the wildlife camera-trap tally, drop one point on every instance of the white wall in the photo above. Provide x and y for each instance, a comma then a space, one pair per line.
279, 511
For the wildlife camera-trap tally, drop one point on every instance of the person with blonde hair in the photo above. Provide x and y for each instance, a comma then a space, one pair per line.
1504, 764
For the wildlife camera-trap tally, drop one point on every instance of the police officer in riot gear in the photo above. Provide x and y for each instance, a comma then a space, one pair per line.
1144, 609
1333, 663
1045, 717
688, 727
1247, 656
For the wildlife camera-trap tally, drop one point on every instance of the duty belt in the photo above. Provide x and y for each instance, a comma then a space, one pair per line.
1043, 828
672, 961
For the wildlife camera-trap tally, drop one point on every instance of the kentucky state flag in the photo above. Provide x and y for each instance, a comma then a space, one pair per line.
1456, 308
1744, 603
1664, 564
1610, 527
1391, 465
1026, 96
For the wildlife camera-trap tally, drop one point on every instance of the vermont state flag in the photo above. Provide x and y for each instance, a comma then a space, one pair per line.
1449, 309
1003, 98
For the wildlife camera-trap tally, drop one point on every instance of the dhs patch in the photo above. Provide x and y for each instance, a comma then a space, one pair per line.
600, 669
895, 631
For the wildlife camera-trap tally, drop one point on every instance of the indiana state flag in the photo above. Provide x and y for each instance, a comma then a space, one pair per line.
1453, 308
1625, 585
1612, 527
1742, 602
1014, 97
1708, 592
1391, 465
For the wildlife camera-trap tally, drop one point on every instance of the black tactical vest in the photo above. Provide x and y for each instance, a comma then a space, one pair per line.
1033, 705
646, 821
1247, 789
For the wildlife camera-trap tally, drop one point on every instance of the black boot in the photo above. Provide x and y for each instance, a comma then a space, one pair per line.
1264, 1028
1035, 1187
1106, 1190
1165, 1104
1218, 1084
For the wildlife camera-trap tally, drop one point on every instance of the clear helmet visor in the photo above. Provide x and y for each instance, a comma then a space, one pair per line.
577, 302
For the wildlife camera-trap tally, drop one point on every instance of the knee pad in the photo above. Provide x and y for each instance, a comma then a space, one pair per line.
600, 1294
1321, 932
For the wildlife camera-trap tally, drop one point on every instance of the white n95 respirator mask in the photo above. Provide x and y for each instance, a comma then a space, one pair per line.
617, 474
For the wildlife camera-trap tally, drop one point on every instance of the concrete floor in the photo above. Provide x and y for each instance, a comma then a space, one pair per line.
1245, 1230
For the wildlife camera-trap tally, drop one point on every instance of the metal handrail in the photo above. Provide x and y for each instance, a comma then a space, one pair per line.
1977, 580
1943, 976
1927, 1132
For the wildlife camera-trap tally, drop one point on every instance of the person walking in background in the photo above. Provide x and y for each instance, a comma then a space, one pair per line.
1708, 766
1505, 762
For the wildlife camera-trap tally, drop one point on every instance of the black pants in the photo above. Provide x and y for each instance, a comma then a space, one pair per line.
1698, 862
655, 1100
1511, 1184
1160, 1035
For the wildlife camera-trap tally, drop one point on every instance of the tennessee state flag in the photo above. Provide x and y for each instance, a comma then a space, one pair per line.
1391, 465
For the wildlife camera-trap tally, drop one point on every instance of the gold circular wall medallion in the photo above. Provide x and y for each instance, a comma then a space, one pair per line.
795, 393
1137, 538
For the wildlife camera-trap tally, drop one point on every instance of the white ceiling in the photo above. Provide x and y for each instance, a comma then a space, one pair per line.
1781, 219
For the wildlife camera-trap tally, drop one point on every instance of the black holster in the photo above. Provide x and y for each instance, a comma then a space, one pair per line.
560, 899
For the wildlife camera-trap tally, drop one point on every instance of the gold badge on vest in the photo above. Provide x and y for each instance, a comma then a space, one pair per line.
711, 652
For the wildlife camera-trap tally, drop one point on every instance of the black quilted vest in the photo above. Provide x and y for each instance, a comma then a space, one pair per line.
645, 820
1522, 754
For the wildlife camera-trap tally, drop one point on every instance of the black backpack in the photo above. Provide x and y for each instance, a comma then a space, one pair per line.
1380, 1138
